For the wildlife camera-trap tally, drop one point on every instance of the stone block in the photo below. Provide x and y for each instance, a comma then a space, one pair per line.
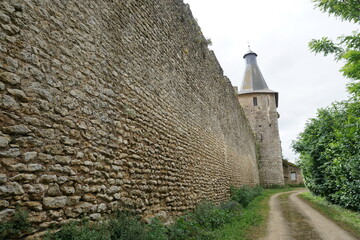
4, 203
35, 167
23, 177
6, 214
10, 189
95, 216
53, 190
11, 78
48, 178
4, 141
28, 156
55, 202
17, 129
3, 178
9, 103
36, 206
18, 94
10, 153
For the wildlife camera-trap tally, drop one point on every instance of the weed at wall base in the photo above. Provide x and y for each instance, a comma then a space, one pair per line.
17, 226
201, 224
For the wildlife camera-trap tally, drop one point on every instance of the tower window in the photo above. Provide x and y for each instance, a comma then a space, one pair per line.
255, 101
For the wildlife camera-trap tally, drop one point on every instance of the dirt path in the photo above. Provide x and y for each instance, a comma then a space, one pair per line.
292, 219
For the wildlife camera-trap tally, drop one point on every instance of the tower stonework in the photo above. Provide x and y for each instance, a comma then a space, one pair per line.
260, 104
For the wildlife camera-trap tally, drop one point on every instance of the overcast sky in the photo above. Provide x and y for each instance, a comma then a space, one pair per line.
279, 32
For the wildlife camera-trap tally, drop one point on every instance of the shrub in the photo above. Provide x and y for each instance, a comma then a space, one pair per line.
210, 216
330, 152
245, 194
231, 206
79, 231
126, 227
187, 228
16, 226
156, 230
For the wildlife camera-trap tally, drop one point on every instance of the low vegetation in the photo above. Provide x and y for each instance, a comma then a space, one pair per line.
204, 223
251, 223
17, 225
242, 217
347, 219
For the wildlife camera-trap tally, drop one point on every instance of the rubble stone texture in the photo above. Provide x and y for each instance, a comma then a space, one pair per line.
113, 104
264, 121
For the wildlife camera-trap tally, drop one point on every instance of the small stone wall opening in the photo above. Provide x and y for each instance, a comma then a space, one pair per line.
255, 101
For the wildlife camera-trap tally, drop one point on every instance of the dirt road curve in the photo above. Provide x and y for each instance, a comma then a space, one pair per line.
292, 219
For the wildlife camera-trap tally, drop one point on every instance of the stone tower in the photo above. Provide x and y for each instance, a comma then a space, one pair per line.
259, 104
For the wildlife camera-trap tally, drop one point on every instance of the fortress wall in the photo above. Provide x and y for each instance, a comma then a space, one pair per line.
114, 104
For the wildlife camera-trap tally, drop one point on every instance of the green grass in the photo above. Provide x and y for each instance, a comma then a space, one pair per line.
251, 223
347, 219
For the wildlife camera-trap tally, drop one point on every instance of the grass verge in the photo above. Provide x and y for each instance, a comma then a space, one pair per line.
251, 223
347, 219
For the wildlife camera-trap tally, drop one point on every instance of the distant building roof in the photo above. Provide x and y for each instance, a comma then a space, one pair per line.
253, 80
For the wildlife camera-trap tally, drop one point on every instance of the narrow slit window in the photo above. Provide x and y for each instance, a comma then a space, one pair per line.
255, 101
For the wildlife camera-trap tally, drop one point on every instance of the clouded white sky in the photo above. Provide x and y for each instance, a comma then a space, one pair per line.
279, 32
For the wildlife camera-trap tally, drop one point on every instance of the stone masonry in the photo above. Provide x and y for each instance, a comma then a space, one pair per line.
263, 119
113, 104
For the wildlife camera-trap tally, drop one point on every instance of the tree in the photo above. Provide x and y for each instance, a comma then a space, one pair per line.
329, 146
330, 153
346, 48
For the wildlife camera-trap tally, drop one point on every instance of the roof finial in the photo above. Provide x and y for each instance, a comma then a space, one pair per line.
249, 45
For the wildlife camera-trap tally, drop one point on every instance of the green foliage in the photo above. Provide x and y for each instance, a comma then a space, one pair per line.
251, 223
330, 153
231, 207
210, 216
348, 10
186, 227
79, 231
245, 194
156, 230
347, 48
201, 224
126, 227
16, 226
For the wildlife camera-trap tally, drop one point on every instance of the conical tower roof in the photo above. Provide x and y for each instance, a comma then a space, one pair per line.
253, 81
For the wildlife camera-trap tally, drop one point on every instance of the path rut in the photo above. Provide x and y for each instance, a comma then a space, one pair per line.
292, 219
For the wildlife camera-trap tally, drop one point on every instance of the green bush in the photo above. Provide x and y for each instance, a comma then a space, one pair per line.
79, 231
210, 216
330, 153
187, 228
231, 206
156, 230
126, 227
16, 226
245, 194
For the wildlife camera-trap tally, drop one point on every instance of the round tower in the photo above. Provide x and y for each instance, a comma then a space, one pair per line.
260, 104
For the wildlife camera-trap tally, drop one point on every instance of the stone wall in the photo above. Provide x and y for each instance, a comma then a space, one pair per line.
114, 104
292, 174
